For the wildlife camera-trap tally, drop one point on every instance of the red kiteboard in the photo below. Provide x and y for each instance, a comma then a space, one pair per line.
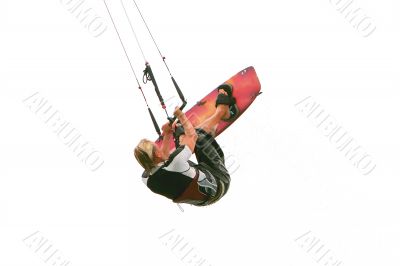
246, 88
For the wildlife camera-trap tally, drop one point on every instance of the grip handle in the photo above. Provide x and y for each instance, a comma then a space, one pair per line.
172, 119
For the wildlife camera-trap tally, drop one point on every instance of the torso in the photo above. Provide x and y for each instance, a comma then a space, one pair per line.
174, 178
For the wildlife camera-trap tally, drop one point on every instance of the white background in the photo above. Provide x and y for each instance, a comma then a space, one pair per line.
291, 180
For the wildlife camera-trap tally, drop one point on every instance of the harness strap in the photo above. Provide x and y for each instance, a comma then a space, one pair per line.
192, 195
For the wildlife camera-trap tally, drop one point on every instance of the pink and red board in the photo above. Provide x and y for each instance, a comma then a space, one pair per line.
246, 88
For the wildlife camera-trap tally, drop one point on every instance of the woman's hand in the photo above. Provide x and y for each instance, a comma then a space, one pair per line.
178, 112
167, 128
190, 136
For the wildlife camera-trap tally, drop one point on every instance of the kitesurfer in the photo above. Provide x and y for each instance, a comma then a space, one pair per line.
173, 175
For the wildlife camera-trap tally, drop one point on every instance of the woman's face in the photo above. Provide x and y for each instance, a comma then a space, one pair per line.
157, 151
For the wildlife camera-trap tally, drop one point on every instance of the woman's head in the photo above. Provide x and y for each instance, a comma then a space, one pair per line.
147, 154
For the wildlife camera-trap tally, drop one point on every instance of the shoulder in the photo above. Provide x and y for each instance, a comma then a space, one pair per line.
181, 153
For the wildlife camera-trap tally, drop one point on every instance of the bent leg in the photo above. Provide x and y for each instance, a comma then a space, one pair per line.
210, 156
211, 123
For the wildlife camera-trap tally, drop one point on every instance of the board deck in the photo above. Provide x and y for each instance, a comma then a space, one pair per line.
246, 88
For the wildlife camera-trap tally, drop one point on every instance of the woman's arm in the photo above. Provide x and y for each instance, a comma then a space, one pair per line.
190, 136
167, 137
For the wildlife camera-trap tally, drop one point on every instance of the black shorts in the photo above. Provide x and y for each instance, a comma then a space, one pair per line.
211, 160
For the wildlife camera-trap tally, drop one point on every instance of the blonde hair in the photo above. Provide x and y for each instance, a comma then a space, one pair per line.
145, 153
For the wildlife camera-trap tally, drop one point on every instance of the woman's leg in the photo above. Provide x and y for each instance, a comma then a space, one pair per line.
210, 125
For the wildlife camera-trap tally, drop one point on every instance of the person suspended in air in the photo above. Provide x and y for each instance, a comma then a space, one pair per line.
173, 175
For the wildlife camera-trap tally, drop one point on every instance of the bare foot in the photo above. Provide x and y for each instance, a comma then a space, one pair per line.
221, 91
224, 109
